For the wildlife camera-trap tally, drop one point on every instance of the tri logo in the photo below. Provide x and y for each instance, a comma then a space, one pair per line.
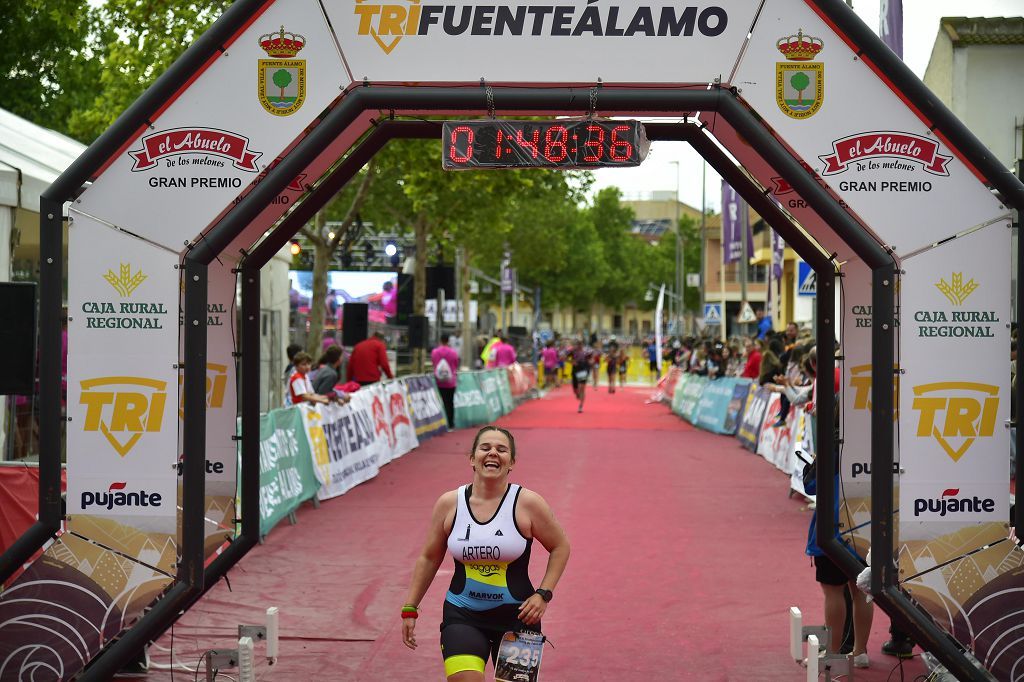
956, 414
123, 408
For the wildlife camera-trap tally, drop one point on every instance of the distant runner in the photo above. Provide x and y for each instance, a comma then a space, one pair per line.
581, 357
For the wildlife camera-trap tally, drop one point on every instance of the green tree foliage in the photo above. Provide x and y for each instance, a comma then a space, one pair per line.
800, 81
135, 42
282, 79
45, 68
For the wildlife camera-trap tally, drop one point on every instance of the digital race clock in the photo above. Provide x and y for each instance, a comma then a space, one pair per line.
566, 143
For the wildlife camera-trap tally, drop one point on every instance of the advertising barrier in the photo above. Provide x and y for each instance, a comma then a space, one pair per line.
692, 391
287, 478
734, 411
713, 406
346, 441
425, 406
753, 416
471, 407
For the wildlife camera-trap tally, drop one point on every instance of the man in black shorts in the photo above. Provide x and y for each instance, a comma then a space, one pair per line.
581, 359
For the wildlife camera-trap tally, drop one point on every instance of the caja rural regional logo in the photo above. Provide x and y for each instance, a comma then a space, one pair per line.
957, 290
799, 82
956, 414
282, 78
125, 282
123, 408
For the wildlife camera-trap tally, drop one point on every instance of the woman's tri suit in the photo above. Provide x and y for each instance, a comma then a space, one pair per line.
491, 581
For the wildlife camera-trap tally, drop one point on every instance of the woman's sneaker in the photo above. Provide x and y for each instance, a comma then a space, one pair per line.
861, 661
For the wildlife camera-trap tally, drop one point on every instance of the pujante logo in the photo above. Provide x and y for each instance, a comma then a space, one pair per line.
123, 408
125, 282
905, 151
799, 82
956, 413
282, 79
957, 290
197, 144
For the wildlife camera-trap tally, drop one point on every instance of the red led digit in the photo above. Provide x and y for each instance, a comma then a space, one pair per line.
453, 154
621, 150
532, 146
554, 143
595, 147
497, 147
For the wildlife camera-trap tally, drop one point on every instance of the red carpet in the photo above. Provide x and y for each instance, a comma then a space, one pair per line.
686, 556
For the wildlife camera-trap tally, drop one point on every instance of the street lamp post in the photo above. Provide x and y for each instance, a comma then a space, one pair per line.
680, 281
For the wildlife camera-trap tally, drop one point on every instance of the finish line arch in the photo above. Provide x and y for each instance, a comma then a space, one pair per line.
212, 158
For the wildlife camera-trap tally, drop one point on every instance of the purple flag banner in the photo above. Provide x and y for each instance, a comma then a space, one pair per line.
778, 254
890, 25
734, 218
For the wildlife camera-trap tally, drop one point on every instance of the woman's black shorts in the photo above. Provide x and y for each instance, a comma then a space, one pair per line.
478, 633
827, 572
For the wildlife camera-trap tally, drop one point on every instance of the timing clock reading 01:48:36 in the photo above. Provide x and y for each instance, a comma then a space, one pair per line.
564, 143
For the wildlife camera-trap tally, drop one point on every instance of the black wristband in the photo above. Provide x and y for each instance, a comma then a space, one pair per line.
546, 595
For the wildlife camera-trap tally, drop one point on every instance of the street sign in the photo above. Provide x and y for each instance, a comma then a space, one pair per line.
508, 280
807, 281
693, 279
746, 313
712, 313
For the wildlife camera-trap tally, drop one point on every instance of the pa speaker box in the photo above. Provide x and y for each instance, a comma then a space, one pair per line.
418, 331
441, 277
17, 338
354, 318
405, 288
518, 331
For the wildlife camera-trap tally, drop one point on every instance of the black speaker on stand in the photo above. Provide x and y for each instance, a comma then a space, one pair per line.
418, 331
17, 338
405, 287
354, 327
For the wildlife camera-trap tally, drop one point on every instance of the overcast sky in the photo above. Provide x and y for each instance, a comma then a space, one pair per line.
920, 26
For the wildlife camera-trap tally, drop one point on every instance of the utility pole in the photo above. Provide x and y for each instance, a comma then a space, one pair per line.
505, 262
679, 286
703, 241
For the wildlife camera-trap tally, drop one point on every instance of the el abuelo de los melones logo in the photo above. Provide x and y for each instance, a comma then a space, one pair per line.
916, 156
388, 24
799, 82
187, 158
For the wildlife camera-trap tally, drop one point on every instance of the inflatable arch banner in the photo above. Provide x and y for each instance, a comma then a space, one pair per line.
279, 90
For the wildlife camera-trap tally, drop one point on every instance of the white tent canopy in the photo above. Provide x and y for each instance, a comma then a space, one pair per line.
31, 157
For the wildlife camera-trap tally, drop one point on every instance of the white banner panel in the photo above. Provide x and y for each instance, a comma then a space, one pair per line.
228, 127
541, 43
391, 412
122, 385
856, 133
954, 395
347, 434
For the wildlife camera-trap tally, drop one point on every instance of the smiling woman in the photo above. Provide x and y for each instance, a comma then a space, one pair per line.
488, 528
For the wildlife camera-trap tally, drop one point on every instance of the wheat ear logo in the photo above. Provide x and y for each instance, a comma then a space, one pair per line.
125, 282
957, 291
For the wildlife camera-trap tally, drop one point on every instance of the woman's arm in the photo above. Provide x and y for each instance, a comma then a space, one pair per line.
546, 529
428, 561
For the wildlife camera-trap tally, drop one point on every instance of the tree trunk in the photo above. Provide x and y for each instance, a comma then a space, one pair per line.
321, 263
419, 291
468, 337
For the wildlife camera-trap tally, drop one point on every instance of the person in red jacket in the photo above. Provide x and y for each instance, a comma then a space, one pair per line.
368, 358
753, 367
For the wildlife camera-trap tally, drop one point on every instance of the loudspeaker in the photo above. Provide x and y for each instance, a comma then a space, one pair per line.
441, 277
405, 286
418, 331
518, 331
354, 327
17, 338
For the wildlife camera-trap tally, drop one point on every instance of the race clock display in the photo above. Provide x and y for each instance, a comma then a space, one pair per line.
565, 143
